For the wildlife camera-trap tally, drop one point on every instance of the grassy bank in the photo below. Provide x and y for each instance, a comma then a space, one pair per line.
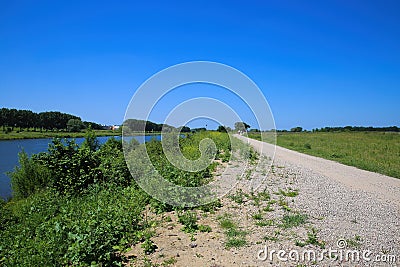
373, 151
49, 134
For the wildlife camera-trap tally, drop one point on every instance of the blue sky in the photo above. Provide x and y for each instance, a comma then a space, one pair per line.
318, 63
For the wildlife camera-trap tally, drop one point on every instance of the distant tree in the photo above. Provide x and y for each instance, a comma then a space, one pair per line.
221, 129
168, 128
241, 126
24, 119
296, 129
185, 129
151, 126
93, 125
135, 125
12, 118
49, 120
3, 118
199, 129
148, 126
74, 125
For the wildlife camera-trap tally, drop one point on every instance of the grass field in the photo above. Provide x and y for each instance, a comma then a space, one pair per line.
34, 135
373, 151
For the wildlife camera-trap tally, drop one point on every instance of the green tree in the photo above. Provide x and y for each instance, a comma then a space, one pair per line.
241, 126
74, 125
185, 129
3, 118
296, 129
221, 129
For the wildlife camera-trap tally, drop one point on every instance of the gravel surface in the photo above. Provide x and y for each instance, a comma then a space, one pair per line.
347, 202
383, 187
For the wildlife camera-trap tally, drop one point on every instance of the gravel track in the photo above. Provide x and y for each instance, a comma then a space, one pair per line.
383, 187
349, 202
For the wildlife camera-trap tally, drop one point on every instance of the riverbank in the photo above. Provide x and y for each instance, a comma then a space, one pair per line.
16, 135
91, 213
40, 135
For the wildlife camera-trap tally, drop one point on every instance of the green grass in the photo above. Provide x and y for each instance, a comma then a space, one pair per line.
354, 242
293, 220
289, 193
238, 197
312, 239
274, 237
14, 135
373, 151
205, 228
189, 221
263, 223
168, 262
257, 216
235, 237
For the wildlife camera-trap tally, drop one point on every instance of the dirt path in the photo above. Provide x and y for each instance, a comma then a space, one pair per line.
383, 187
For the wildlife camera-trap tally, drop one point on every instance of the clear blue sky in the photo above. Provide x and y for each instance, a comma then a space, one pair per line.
318, 63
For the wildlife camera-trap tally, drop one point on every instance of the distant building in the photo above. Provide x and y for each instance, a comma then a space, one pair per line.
115, 127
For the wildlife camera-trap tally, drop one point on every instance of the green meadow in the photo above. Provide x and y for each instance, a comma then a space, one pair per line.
373, 151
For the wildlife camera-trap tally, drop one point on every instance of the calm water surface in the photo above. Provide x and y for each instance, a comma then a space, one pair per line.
9, 150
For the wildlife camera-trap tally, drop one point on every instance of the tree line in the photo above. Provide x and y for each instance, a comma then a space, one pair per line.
358, 129
135, 125
49, 120
346, 129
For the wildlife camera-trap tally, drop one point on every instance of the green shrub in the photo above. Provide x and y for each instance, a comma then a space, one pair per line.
29, 177
112, 165
72, 168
